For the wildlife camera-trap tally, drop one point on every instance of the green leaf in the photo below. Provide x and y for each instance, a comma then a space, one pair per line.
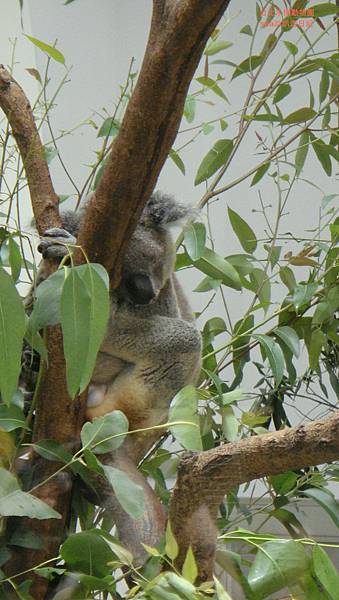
214, 159
129, 494
184, 407
208, 284
243, 231
221, 592
327, 199
292, 48
289, 337
189, 568
195, 239
189, 110
87, 552
216, 47
327, 500
249, 64
216, 267
52, 450
230, 424
325, 571
284, 483
212, 85
109, 128
75, 309
50, 50
274, 355
12, 329
300, 115
301, 153
282, 91
261, 286
177, 160
11, 417
15, 260
46, 309
318, 341
233, 396
303, 293
324, 85
16, 503
96, 281
171, 547
246, 30
277, 564
260, 173
322, 152
98, 435
287, 277
327, 8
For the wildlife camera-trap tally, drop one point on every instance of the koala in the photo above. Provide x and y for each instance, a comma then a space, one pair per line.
152, 346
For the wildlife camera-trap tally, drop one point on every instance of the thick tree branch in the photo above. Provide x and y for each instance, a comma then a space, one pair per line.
16, 106
204, 479
179, 32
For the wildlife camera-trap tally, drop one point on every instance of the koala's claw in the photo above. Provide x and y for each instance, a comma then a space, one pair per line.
54, 243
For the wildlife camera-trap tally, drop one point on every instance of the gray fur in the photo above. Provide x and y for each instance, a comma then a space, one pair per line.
152, 347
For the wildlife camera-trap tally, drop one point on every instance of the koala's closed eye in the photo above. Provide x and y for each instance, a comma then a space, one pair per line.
137, 288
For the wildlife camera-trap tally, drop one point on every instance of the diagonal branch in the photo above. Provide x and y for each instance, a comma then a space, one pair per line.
178, 35
16, 106
204, 479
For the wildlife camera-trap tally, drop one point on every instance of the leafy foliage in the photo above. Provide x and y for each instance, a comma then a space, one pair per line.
282, 349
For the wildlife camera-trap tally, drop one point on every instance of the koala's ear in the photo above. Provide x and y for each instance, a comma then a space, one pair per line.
163, 211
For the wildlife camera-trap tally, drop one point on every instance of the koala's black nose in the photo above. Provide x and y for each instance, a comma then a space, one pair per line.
139, 289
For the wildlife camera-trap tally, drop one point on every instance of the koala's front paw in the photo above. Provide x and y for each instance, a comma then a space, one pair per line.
55, 242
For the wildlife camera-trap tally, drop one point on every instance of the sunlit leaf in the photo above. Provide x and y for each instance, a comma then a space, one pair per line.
171, 547
230, 424
50, 50
109, 128
213, 86
189, 568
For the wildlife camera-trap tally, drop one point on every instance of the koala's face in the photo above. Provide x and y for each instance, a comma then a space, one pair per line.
148, 264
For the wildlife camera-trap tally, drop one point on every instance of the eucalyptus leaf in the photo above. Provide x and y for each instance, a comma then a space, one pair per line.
14, 502
277, 563
301, 115
243, 231
274, 355
301, 153
195, 239
325, 571
249, 64
87, 552
129, 494
99, 435
216, 267
289, 337
12, 329
327, 500
50, 50
11, 417
177, 160
184, 407
214, 159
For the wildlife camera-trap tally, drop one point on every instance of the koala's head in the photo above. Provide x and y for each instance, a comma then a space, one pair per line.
150, 256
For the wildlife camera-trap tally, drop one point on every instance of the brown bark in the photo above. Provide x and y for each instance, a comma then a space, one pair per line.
16, 106
179, 32
204, 479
